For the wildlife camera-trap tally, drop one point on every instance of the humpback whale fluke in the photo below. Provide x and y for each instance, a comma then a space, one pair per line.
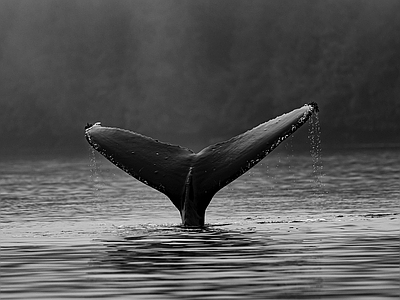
189, 179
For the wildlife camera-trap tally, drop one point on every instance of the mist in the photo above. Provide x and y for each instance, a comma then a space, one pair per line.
195, 72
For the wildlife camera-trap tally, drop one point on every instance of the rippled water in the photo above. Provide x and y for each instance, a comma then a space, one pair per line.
286, 230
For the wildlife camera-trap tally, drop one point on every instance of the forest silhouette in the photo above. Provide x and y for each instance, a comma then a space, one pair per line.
195, 72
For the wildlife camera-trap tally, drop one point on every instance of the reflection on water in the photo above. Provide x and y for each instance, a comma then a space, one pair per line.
274, 234
250, 263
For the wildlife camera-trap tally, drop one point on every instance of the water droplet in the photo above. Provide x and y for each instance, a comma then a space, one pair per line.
314, 135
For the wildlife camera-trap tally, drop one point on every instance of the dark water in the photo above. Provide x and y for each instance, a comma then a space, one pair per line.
286, 230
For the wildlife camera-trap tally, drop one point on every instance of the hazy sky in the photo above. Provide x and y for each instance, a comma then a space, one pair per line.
195, 71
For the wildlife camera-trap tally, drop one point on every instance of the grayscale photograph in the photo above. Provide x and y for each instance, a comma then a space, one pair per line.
200, 149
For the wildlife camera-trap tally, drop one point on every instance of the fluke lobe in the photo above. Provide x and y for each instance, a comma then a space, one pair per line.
191, 179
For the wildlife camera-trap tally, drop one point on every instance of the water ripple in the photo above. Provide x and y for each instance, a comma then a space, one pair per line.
66, 233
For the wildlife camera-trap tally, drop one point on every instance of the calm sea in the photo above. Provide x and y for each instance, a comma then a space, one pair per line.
292, 228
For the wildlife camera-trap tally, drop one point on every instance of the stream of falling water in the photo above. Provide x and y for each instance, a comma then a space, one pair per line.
314, 135
94, 171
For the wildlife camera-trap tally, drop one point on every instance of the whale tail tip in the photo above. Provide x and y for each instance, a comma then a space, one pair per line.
90, 125
314, 105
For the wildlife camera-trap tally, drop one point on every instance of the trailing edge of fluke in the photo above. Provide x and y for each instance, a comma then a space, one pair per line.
191, 179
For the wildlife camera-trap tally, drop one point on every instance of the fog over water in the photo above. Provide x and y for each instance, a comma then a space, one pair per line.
193, 72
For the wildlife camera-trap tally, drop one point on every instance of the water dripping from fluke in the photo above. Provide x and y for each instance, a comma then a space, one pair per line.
94, 171
314, 135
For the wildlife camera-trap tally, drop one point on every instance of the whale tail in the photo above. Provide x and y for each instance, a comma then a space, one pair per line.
188, 179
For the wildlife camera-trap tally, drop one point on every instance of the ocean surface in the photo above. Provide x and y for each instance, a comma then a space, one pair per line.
297, 226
